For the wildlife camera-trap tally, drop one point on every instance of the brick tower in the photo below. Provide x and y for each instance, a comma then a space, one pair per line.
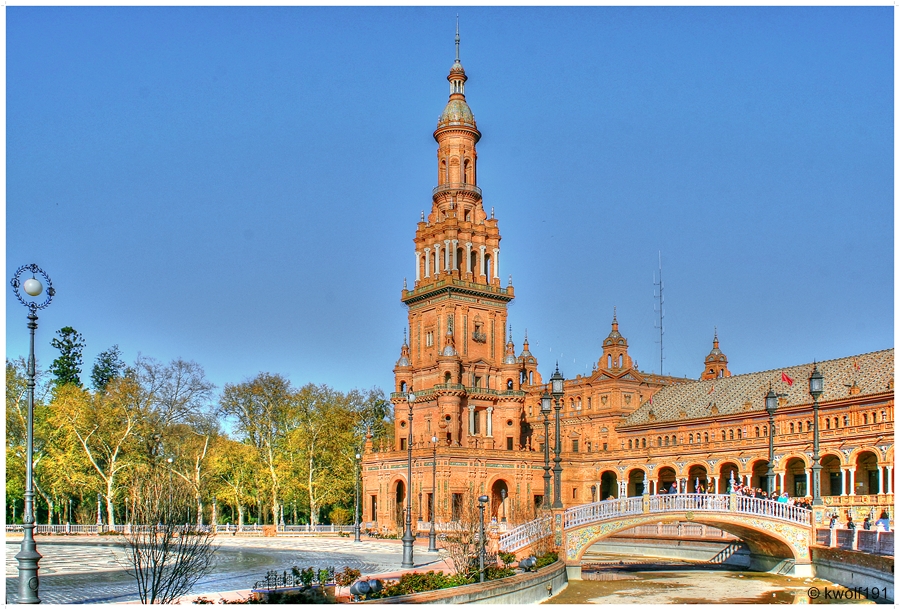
457, 360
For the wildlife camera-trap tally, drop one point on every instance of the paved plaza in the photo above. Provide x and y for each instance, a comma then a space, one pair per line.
92, 569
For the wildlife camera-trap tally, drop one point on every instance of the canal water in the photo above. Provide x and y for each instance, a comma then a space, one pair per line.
691, 584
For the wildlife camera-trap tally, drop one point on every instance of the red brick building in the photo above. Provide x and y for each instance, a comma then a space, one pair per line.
620, 427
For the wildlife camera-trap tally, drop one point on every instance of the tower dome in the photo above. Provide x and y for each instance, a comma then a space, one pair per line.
716, 363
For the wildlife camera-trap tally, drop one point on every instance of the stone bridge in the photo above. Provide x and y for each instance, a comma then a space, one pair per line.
773, 531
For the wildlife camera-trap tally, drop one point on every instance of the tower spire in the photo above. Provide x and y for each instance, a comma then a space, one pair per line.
457, 38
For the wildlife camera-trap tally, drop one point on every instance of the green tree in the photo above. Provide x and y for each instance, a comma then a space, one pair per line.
108, 366
67, 366
262, 409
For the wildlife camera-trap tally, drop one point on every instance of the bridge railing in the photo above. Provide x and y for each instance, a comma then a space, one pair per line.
599, 511
679, 502
521, 536
867, 541
771, 508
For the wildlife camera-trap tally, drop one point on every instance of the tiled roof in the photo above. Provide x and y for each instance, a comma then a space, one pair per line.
872, 373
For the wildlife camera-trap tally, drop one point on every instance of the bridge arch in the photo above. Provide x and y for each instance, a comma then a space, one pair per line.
769, 541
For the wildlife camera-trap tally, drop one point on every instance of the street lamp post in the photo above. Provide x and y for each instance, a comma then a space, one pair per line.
546, 402
556, 389
503, 505
28, 556
432, 534
169, 461
481, 502
407, 533
356, 505
771, 406
816, 388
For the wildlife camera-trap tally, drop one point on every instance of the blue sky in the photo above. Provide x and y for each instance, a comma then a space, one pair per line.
240, 186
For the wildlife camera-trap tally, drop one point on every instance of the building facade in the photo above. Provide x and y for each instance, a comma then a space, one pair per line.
476, 420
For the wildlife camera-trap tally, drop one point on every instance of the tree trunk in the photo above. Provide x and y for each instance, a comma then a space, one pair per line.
110, 507
199, 510
313, 512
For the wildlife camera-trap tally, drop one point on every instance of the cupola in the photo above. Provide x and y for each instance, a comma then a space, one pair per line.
716, 364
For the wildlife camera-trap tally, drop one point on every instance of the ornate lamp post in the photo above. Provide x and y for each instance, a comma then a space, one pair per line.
503, 505
356, 506
408, 538
771, 406
816, 388
556, 389
28, 556
546, 402
482, 500
432, 534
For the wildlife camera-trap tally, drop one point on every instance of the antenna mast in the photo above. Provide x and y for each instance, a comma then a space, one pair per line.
659, 309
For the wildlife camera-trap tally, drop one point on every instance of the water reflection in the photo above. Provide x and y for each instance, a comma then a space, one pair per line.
683, 584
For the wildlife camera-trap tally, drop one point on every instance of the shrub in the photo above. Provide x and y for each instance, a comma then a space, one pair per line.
507, 558
347, 576
546, 559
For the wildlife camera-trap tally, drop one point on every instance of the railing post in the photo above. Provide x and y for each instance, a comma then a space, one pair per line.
732, 502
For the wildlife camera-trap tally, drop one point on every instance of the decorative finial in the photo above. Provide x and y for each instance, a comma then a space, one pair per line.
510, 280
492, 211
510, 333
404, 284
423, 216
614, 314
404, 335
457, 38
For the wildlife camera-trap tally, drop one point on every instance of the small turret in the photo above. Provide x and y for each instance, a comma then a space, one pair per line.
615, 349
716, 364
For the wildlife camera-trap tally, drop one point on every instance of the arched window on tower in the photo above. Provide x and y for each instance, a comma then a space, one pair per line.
675, 439
865, 418
706, 437
403, 387
629, 443
620, 361
757, 431
659, 441
530, 377
691, 438
609, 361
766, 431
445, 174
467, 172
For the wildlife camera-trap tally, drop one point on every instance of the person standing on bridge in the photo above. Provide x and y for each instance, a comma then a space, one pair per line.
883, 524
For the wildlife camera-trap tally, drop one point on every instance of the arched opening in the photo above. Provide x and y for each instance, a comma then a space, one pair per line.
403, 387
445, 175
609, 485
726, 471
447, 377
488, 266
830, 476
467, 175
696, 482
459, 257
399, 504
758, 470
499, 501
609, 361
796, 482
665, 479
620, 361
635, 482
866, 476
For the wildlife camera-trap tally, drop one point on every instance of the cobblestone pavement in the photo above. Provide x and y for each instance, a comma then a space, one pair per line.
79, 570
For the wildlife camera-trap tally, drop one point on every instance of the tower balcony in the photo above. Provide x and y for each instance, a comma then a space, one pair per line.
456, 187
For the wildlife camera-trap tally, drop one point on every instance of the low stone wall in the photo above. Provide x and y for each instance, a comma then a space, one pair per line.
528, 588
854, 569
728, 553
